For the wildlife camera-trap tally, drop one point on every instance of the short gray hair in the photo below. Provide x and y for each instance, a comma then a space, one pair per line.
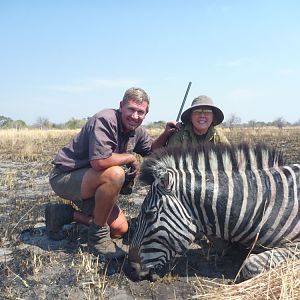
136, 94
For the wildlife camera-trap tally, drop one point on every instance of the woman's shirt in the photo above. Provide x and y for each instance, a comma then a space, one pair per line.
186, 137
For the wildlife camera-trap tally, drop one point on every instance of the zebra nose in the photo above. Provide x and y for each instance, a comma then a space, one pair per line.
134, 264
153, 276
136, 271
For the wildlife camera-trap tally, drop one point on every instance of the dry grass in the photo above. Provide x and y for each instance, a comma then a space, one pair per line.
88, 276
32, 144
279, 283
37, 148
35, 144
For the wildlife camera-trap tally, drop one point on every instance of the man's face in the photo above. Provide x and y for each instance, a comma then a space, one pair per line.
133, 114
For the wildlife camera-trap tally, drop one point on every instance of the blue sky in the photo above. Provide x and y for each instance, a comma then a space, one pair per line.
63, 59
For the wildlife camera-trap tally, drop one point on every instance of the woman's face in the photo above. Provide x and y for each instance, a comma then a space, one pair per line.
201, 119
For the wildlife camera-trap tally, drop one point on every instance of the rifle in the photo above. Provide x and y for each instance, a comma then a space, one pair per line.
183, 102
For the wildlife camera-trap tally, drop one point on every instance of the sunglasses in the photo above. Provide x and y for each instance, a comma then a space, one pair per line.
204, 111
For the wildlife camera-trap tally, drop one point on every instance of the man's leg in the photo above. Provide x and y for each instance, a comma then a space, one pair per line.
117, 221
105, 187
68, 186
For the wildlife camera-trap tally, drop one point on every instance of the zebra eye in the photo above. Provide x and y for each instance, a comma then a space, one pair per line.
150, 214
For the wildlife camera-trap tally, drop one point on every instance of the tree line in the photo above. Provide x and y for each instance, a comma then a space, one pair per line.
232, 121
41, 123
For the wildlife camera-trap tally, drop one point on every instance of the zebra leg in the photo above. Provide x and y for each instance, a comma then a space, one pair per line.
212, 246
264, 261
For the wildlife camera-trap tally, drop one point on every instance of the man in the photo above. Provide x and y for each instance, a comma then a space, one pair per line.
92, 167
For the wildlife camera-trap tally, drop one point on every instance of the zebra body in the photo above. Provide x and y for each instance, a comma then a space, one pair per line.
234, 193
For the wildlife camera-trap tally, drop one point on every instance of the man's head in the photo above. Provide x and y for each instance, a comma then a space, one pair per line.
136, 94
133, 108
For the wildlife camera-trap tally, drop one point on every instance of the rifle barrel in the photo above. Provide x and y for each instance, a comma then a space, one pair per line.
183, 101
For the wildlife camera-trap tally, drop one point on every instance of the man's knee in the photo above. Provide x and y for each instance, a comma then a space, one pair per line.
115, 175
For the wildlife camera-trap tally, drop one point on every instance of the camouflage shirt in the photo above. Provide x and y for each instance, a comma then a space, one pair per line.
186, 137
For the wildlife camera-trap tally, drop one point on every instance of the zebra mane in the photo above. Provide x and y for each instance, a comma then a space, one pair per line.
208, 157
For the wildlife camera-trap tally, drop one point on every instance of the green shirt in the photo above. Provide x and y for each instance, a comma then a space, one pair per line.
186, 137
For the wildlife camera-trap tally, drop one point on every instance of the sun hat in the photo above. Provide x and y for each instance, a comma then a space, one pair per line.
200, 102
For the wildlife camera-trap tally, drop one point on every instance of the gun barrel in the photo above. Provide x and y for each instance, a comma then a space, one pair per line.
183, 101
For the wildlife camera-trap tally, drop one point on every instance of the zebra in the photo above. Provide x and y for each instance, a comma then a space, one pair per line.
243, 194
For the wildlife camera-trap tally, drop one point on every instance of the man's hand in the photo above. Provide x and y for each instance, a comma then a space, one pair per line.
172, 127
134, 169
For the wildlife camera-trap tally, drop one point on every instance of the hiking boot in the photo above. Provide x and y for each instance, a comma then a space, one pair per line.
56, 216
100, 243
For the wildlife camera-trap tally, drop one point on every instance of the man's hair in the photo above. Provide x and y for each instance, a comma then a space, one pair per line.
136, 94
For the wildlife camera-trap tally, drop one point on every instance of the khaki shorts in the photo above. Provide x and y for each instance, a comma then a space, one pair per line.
67, 185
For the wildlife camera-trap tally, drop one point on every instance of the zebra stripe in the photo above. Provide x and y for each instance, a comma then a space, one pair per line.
242, 168
266, 213
259, 201
191, 172
228, 172
237, 194
274, 228
295, 207
294, 216
258, 263
207, 229
214, 168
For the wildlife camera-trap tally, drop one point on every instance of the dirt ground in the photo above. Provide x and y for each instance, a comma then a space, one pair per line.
34, 267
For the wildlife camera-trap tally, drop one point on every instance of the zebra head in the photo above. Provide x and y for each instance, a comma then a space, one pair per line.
164, 228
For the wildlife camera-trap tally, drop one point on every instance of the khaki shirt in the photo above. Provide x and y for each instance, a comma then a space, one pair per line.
186, 137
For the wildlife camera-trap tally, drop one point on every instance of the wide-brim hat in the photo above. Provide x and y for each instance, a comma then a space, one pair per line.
203, 101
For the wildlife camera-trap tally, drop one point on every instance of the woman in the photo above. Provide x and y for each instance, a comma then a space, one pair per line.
199, 124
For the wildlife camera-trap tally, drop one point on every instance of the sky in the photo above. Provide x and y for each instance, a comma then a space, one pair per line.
63, 59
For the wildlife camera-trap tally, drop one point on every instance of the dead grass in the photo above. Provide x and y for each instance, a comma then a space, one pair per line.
40, 145
280, 283
36, 148
32, 144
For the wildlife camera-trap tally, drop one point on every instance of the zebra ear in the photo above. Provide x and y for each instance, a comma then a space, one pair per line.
166, 181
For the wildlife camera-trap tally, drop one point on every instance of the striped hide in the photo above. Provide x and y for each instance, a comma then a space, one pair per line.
241, 193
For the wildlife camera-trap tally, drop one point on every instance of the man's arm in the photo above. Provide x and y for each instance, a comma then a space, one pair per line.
170, 129
115, 159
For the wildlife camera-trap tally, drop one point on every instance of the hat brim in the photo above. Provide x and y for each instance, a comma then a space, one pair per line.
218, 114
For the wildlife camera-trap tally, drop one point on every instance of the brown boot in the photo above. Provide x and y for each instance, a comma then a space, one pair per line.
56, 216
100, 243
